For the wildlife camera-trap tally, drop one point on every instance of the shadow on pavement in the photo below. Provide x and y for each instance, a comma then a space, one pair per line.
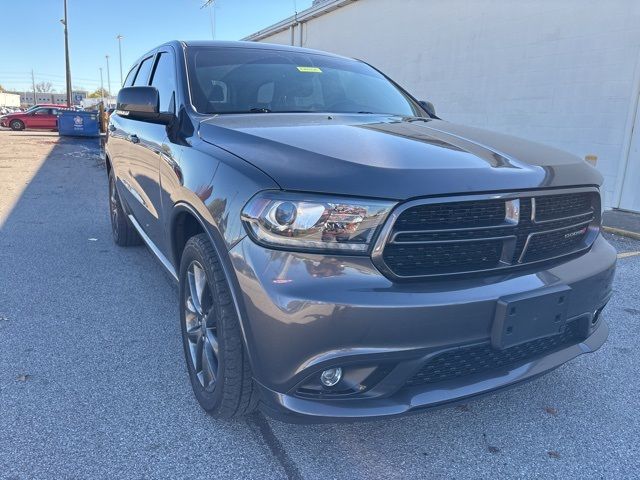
92, 376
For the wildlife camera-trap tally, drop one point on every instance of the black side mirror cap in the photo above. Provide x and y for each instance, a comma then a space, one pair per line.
141, 103
429, 108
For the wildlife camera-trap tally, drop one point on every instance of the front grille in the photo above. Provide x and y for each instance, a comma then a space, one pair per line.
559, 206
442, 257
458, 214
438, 237
555, 242
476, 359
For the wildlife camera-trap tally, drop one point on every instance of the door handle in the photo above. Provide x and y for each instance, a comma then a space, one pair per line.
133, 138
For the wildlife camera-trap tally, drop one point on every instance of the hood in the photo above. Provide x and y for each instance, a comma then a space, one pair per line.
390, 157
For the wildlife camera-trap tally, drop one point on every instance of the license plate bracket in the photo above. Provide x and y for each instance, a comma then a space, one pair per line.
521, 318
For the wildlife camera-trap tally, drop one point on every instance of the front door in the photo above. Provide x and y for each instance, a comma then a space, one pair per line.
43, 118
142, 165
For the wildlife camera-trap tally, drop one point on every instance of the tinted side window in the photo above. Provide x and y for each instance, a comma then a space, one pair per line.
164, 80
142, 77
128, 81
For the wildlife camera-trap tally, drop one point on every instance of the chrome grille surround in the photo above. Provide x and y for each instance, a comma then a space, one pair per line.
520, 217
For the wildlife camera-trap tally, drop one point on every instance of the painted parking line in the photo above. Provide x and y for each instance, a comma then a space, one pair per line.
628, 254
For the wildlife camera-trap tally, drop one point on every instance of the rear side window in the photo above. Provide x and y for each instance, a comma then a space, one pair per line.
142, 78
164, 80
128, 81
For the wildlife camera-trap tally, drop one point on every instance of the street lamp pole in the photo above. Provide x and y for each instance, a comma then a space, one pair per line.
101, 86
66, 54
108, 76
120, 37
212, 20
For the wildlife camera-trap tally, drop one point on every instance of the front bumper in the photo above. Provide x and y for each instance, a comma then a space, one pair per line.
303, 313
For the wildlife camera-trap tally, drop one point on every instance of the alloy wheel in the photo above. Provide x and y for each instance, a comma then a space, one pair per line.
201, 326
113, 203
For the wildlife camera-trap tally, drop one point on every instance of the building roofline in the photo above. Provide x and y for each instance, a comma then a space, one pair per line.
304, 16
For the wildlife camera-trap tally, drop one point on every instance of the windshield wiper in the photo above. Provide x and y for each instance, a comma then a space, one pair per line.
260, 110
418, 119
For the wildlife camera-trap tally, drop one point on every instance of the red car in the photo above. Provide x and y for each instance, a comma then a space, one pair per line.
44, 117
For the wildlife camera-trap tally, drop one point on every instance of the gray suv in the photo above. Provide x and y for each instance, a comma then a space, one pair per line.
340, 251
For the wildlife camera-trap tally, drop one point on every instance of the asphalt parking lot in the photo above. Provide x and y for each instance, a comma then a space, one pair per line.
93, 382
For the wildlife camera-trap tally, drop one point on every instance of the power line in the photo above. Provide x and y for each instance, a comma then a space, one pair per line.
43, 74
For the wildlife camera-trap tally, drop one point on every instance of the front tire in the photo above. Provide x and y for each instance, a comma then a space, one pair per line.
16, 125
124, 233
216, 357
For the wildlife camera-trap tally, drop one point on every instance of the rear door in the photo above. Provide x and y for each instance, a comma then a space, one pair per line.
52, 122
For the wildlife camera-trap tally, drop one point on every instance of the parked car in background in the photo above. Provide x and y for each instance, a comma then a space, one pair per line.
340, 251
53, 105
39, 117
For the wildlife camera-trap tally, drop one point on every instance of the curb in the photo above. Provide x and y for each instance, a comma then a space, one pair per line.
620, 231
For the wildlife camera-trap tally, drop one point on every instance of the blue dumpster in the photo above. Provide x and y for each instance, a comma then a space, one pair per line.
83, 124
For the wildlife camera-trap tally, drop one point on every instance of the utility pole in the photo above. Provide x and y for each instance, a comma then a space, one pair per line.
120, 37
33, 83
101, 86
108, 75
66, 54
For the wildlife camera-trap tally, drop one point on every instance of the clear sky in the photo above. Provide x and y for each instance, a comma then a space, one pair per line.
32, 35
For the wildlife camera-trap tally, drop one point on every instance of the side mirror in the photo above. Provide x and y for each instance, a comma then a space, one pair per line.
428, 106
141, 103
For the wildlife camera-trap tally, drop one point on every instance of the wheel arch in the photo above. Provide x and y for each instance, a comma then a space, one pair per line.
185, 223
107, 163
19, 120
184, 215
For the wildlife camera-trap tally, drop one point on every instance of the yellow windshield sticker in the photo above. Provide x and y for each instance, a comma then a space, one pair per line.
309, 69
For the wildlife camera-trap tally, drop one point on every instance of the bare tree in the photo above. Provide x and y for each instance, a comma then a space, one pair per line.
44, 87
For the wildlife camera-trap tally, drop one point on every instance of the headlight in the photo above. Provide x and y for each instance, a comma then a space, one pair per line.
313, 222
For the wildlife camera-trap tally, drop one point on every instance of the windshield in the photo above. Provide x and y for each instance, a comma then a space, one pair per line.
248, 80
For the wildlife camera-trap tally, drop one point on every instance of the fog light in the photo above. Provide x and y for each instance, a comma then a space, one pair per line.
596, 316
331, 377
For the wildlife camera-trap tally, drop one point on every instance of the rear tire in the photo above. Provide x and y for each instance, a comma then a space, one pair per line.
214, 350
16, 125
124, 233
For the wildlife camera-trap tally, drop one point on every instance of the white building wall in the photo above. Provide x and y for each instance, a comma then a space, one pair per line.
9, 99
558, 72
26, 98
283, 38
